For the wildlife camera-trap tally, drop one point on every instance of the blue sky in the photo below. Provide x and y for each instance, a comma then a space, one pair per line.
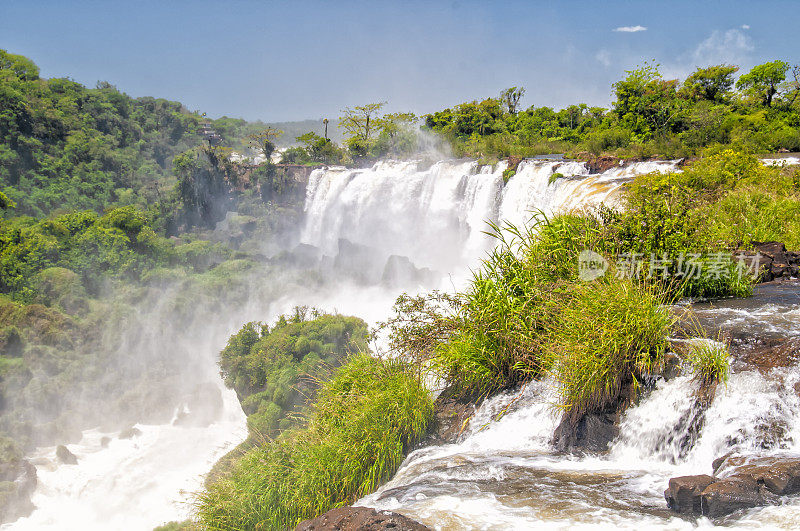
292, 60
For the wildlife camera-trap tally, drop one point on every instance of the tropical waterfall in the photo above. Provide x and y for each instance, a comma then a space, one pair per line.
502, 473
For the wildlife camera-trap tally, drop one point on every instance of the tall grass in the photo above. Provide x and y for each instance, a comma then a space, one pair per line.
354, 438
609, 333
709, 361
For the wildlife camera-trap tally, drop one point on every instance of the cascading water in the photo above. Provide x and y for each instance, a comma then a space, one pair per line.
502, 473
436, 216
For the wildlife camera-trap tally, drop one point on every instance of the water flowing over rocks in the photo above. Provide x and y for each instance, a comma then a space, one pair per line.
740, 482
360, 519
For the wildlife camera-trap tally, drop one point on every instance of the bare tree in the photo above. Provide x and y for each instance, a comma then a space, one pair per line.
510, 98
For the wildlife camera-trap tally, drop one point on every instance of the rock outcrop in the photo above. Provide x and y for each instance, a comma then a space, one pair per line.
770, 260
17, 482
360, 519
65, 456
451, 414
739, 482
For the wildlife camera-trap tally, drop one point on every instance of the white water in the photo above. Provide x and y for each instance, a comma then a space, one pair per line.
436, 216
502, 474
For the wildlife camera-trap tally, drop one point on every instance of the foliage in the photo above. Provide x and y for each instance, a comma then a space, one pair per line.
708, 360
608, 333
763, 80
650, 117
64, 146
354, 438
118, 244
274, 370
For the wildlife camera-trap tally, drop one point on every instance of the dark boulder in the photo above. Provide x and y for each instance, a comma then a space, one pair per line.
770, 260
65, 456
361, 519
740, 482
731, 494
130, 433
683, 494
400, 271
593, 432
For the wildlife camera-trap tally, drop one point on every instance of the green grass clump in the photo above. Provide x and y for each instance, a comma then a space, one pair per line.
709, 361
609, 333
556, 176
354, 438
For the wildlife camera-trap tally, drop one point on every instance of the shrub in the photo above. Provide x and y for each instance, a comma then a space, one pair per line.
355, 437
274, 370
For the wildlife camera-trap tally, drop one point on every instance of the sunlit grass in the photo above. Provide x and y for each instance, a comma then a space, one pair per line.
355, 436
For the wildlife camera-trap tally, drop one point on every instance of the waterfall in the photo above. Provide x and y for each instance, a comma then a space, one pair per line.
436, 215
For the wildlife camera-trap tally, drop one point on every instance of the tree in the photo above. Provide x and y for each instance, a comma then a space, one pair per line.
646, 103
359, 122
21, 66
792, 88
510, 98
264, 140
713, 83
763, 80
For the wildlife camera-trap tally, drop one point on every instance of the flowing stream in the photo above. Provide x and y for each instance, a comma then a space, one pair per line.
502, 473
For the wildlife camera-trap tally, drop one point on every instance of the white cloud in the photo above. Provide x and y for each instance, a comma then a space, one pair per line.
731, 46
745, 26
630, 29
603, 57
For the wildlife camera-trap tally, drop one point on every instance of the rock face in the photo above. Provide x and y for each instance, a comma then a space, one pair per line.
740, 482
592, 433
451, 415
683, 494
771, 260
361, 519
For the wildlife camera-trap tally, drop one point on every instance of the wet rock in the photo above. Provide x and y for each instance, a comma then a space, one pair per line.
400, 271
104, 442
17, 482
65, 456
683, 494
451, 414
729, 495
779, 475
740, 482
593, 432
130, 433
201, 407
358, 261
361, 519
771, 260
771, 354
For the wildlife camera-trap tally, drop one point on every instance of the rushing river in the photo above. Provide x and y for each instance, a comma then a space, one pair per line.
502, 473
